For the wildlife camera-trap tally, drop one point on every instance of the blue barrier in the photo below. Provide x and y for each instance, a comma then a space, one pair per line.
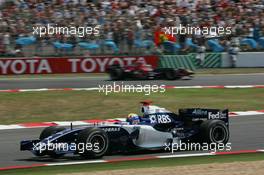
250, 42
112, 44
88, 46
60, 45
261, 42
143, 43
190, 43
24, 41
215, 46
170, 46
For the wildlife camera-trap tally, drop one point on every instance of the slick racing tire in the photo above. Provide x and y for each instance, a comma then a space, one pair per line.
116, 73
170, 74
141, 75
214, 131
97, 141
50, 131
46, 133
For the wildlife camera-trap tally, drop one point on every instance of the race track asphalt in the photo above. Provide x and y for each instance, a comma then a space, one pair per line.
246, 134
88, 82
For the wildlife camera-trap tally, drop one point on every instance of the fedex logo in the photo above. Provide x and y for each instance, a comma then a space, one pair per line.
218, 115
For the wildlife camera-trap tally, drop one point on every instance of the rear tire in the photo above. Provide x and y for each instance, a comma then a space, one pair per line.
170, 74
93, 136
116, 73
141, 75
214, 131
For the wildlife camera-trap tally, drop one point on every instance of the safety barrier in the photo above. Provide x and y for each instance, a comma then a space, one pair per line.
212, 60
245, 59
47, 65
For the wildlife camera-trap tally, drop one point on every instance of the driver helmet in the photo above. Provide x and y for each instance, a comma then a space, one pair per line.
133, 119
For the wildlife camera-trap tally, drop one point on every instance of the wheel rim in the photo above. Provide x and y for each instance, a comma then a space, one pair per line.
100, 141
218, 134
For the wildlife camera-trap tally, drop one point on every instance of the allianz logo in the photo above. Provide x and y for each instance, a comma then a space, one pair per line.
199, 112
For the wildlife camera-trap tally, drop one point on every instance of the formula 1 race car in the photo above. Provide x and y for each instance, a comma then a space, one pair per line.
141, 71
155, 129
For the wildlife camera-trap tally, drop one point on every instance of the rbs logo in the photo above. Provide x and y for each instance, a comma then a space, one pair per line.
162, 118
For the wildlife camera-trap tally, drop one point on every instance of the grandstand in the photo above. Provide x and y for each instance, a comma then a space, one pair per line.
126, 26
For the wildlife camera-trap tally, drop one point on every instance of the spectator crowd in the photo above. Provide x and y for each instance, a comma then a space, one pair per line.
128, 23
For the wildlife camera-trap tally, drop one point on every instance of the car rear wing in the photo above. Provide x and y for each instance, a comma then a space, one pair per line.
205, 114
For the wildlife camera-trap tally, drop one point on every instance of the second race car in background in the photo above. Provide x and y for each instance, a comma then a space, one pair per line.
141, 71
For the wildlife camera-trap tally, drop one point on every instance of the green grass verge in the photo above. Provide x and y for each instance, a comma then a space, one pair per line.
82, 105
136, 164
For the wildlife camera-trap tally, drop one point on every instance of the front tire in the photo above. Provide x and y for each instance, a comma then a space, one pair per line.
46, 133
50, 131
98, 140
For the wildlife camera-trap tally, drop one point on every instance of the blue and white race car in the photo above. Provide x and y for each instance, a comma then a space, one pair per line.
155, 129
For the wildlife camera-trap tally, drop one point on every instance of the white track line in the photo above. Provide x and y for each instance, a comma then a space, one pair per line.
97, 88
185, 155
77, 163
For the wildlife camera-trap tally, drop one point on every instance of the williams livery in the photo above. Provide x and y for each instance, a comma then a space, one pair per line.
153, 130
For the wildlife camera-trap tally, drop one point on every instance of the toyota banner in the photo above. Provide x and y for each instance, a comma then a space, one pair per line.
15, 66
